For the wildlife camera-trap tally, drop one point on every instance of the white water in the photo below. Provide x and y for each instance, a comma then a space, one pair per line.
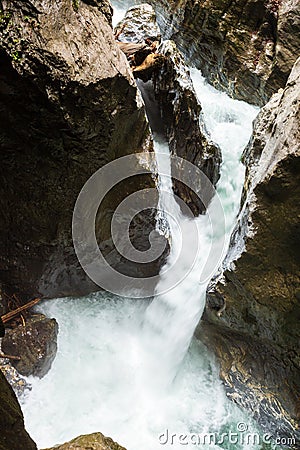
171, 318
116, 357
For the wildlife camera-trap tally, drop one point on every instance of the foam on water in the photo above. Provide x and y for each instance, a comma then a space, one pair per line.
96, 382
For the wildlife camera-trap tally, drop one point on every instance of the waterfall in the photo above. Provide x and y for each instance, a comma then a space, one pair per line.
131, 369
172, 316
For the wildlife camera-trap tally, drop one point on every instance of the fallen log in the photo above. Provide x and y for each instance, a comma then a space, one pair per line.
12, 314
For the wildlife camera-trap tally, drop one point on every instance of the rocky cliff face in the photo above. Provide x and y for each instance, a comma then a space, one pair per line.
245, 47
13, 434
68, 106
257, 335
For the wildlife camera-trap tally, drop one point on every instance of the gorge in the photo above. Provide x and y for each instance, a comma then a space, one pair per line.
126, 367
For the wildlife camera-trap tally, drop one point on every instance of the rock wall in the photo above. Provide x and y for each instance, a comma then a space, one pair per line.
13, 434
256, 337
68, 106
246, 47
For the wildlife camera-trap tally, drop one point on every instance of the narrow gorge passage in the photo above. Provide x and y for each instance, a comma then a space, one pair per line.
117, 374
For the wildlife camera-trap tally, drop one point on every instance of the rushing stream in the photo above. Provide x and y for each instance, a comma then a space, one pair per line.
125, 367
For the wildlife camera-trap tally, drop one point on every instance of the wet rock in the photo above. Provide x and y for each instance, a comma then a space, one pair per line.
173, 110
35, 343
246, 47
95, 441
13, 434
256, 378
257, 335
137, 33
287, 47
69, 105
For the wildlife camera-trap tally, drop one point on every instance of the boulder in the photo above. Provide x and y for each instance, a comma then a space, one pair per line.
152, 62
246, 47
94, 441
13, 434
69, 105
35, 343
183, 125
252, 313
287, 47
20, 386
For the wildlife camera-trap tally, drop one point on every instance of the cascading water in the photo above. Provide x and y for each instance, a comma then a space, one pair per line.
116, 356
172, 316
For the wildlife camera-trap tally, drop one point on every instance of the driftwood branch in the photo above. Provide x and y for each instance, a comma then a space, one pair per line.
12, 314
17, 358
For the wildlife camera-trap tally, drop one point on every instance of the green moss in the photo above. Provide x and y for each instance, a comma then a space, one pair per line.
30, 20
11, 36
